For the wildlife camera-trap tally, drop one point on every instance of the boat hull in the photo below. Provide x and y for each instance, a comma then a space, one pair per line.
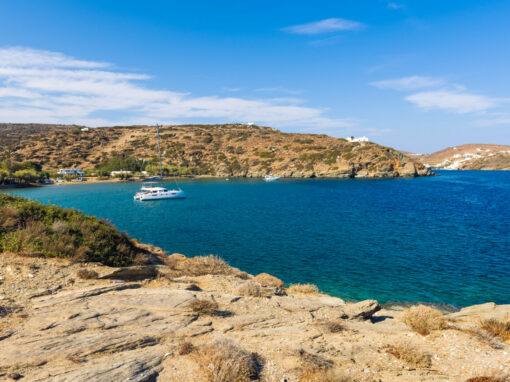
145, 196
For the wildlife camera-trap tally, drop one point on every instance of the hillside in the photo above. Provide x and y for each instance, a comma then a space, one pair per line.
218, 150
468, 157
33, 229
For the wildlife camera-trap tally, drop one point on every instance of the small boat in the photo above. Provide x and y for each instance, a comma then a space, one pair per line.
270, 178
151, 190
155, 191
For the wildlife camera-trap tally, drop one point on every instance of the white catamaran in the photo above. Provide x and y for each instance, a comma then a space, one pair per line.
155, 191
271, 178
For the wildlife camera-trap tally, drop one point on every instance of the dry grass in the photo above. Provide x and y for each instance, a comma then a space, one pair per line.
331, 326
203, 307
326, 376
250, 288
185, 348
87, 274
496, 327
199, 265
267, 280
489, 379
302, 289
410, 354
223, 361
60, 226
313, 361
422, 319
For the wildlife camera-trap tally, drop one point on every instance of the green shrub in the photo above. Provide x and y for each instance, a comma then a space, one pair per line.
31, 227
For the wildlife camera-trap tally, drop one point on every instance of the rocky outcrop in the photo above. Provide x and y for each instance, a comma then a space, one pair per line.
482, 312
152, 330
363, 310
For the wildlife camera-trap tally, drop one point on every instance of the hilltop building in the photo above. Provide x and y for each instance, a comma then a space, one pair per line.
359, 139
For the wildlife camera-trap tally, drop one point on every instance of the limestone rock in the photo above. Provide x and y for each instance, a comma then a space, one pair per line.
362, 310
481, 312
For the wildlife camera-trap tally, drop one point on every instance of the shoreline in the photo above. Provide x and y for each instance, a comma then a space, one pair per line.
81, 321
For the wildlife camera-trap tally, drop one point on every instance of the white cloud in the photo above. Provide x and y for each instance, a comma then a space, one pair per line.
495, 119
324, 26
440, 95
27, 57
393, 5
50, 87
278, 89
458, 102
409, 83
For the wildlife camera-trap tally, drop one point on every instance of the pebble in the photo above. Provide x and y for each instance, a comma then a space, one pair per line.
30, 275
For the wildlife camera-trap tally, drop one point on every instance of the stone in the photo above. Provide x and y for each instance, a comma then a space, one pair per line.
362, 310
135, 273
481, 312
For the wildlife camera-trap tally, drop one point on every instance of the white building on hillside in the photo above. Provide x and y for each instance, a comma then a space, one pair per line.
359, 139
120, 172
71, 171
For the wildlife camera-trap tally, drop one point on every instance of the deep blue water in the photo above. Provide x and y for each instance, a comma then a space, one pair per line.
440, 239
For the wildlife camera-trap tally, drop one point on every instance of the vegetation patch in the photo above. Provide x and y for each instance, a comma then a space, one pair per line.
498, 328
302, 289
87, 274
409, 354
224, 361
251, 289
203, 307
267, 280
423, 319
200, 266
29, 227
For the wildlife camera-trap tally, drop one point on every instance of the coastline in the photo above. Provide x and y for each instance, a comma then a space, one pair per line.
71, 321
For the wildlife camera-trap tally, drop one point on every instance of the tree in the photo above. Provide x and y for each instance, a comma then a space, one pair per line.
4, 175
29, 175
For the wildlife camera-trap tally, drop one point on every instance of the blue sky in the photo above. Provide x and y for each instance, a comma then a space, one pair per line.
415, 75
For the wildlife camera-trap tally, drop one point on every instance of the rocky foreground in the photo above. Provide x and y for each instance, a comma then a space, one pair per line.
197, 319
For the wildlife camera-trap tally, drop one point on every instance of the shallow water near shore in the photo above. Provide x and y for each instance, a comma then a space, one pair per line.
439, 239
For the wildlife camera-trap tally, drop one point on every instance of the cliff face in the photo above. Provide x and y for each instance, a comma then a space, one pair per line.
219, 150
468, 157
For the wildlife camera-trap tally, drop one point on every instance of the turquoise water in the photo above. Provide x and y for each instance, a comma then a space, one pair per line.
441, 239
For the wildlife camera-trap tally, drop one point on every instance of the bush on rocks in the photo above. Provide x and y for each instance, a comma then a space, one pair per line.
267, 280
423, 319
302, 289
29, 227
250, 289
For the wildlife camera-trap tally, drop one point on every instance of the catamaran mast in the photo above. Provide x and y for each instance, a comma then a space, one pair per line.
159, 150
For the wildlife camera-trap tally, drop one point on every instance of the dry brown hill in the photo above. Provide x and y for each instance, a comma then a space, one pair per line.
218, 150
477, 156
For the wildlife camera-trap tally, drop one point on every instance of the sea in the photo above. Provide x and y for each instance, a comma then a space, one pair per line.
442, 239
